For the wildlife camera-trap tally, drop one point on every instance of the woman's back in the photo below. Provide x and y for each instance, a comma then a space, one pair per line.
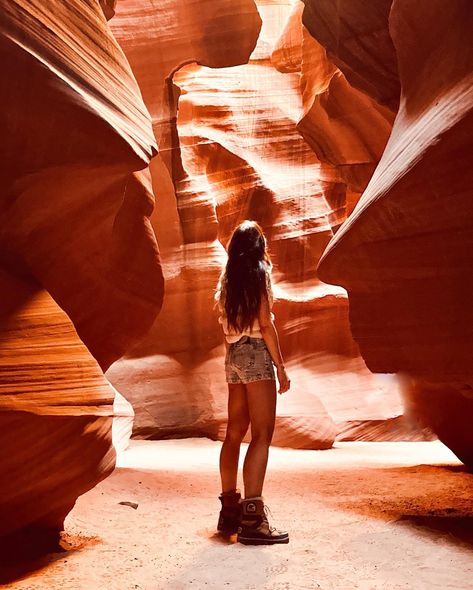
234, 333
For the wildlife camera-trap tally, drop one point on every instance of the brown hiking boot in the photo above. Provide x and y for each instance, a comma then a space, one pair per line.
229, 517
255, 528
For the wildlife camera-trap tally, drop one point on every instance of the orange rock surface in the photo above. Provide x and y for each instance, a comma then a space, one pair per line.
404, 255
55, 411
278, 112
343, 125
80, 278
358, 41
237, 152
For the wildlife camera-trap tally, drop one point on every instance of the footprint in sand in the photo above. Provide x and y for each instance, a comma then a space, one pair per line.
277, 568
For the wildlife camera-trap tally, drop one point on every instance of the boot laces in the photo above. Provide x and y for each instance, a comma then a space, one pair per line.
267, 512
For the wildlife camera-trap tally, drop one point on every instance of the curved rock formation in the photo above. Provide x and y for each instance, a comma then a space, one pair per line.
76, 135
445, 408
55, 411
343, 125
89, 86
357, 38
159, 39
238, 153
405, 253
167, 379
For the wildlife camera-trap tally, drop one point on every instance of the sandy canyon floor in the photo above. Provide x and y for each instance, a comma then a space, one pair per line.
361, 516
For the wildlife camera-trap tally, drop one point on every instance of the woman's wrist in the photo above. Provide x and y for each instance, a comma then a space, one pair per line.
280, 365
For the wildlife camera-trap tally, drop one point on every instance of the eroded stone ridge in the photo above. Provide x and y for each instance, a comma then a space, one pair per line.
357, 38
80, 277
231, 148
404, 254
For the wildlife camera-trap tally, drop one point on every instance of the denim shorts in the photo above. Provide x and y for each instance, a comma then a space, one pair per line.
248, 360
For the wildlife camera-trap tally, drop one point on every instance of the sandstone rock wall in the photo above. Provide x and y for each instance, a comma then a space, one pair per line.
73, 295
356, 35
256, 115
55, 411
405, 253
235, 151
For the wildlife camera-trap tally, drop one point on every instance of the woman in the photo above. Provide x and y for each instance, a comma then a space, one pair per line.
245, 299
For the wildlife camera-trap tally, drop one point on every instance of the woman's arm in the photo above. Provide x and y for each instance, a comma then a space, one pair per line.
270, 336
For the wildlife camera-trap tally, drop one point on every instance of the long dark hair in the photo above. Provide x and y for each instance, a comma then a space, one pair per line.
244, 280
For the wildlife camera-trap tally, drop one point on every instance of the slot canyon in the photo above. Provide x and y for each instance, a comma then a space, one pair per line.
135, 136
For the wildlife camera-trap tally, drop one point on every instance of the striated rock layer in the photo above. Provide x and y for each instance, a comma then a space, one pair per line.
55, 411
85, 156
237, 152
405, 253
73, 294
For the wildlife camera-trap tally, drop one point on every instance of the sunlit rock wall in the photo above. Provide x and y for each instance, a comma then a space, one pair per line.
278, 140
73, 294
405, 254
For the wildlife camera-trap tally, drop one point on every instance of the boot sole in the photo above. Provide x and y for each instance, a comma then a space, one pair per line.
227, 531
261, 541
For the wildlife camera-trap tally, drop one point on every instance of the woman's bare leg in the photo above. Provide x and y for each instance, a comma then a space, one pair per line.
238, 421
262, 410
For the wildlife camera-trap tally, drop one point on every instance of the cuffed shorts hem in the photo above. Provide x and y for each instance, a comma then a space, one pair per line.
237, 380
248, 360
